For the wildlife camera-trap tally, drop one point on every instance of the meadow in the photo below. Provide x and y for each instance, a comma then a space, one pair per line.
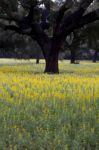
49, 112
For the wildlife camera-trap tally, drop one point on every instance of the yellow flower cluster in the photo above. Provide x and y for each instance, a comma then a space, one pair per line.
41, 87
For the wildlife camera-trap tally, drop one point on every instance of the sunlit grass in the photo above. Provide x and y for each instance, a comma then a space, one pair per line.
52, 112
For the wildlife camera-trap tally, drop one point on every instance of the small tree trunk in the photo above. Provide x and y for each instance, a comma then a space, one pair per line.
73, 56
37, 61
38, 57
95, 56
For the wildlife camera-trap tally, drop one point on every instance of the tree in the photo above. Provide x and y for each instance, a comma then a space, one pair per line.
92, 35
37, 17
73, 42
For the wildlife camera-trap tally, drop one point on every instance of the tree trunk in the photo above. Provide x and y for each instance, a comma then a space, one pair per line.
52, 64
52, 60
73, 57
38, 57
50, 48
95, 56
37, 61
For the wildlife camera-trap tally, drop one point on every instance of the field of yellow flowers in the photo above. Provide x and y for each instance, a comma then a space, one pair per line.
49, 112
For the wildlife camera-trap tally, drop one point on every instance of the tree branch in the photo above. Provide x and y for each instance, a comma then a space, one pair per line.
5, 17
41, 37
71, 21
13, 28
89, 18
60, 13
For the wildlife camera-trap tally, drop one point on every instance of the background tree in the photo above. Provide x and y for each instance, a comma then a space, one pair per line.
13, 45
92, 35
73, 43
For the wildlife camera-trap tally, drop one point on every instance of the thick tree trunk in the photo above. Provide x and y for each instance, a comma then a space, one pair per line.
95, 56
52, 59
73, 57
52, 64
50, 47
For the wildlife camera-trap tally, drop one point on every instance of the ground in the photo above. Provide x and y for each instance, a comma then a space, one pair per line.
49, 112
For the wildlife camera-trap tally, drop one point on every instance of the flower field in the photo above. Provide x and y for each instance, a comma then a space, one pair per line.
49, 112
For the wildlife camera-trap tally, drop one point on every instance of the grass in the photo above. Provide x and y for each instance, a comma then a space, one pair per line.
49, 112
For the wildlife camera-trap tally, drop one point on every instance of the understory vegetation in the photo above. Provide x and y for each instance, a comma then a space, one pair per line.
49, 112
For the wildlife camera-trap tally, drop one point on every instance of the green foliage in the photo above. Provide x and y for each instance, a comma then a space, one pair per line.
92, 33
9, 5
